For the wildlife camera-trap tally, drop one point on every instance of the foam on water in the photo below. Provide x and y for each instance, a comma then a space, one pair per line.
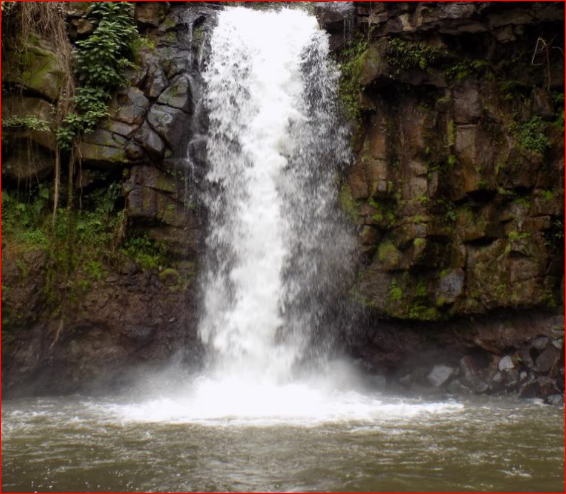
235, 402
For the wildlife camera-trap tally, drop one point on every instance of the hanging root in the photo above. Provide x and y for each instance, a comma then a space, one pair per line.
47, 20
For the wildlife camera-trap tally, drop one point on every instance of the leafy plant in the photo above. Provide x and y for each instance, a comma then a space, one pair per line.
145, 251
30, 122
530, 135
101, 61
409, 55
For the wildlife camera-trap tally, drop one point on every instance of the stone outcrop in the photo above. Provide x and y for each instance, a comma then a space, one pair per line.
117, 313
456, 194
456, 189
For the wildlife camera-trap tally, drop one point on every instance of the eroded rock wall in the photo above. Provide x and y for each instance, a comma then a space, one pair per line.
117, 308
456, 189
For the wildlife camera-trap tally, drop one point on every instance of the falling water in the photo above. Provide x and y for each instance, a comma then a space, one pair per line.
278, 251
277, 247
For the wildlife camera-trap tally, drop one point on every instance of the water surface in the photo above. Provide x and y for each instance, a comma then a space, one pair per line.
477, 445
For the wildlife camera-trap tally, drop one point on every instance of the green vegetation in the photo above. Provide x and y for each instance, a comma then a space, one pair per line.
515, 235
30, 122
410, 55
348, 203
465, 68
530, 135
352, 61
395, 291
101, 61
145, 251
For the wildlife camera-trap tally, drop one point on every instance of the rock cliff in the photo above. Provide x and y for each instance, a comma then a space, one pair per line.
455, 192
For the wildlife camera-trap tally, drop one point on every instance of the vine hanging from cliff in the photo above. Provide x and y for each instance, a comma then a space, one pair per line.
102, 60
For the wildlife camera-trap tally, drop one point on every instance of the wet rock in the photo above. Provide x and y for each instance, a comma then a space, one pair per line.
103, 149
541, 343
172, 124
177, 95
149, 204
472, 374
152, 177
36, 67
467, 105
450, 287
334, 16
548, 360
538, 387
129, 106
555, 400
151, 13
456, 387
526, 359
475, 150
24, 164
150, 142
142, 335
542, 103
440, 375
506, 364
156, 83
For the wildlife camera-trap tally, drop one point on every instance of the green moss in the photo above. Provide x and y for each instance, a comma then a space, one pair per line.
349, 88
423, 313
451, 134
515, 235
419, 242
388, 254
421, 290
395, 291
547, 195
349, 205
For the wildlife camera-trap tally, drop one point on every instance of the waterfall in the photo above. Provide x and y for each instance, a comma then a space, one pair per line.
277, 249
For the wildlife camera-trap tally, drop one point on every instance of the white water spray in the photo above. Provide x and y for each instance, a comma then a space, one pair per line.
278, 252
275, 246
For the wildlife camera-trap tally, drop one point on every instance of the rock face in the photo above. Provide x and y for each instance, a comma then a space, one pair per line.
456, 192
456, 189
122, 310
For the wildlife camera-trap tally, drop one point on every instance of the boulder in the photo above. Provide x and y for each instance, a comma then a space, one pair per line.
38, 108
156, 82
548, 360
151, 13
450, 287
541, 343
440, 375
103, 149
36, 67
24, 164
472, 374
129, 106
506, 364
150, 142
177, 95
173, 125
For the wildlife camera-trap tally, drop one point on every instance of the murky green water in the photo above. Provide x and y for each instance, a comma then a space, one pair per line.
81, 445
